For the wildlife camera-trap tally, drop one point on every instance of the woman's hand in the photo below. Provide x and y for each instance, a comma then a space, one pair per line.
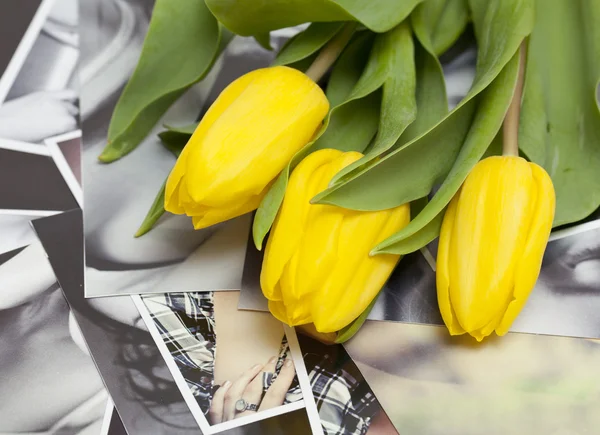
250, 387
39, 115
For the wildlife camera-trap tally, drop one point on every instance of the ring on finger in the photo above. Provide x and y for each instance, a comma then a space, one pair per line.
241, 405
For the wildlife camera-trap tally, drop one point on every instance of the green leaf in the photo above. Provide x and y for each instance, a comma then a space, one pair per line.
307, 42
430, 93
264, 40
182, 43
174, 140
560, 118
416, 241
391, 66
410, 171
184, 129
352, 126
349, 331
349, 67
343, 79
157, 209
251, 17
446, 21
478, 10
492, 107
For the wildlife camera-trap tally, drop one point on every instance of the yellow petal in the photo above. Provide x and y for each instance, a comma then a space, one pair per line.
289, 224
318, 249
357, 278
213, 216
251, 141
172, 201
528, 269
491, 226
442, 274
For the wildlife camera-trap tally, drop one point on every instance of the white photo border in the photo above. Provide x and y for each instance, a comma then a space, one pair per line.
190, 400
62, 164
8, 77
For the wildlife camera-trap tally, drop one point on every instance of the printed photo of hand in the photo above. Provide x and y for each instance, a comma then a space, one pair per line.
254, 391
39, 115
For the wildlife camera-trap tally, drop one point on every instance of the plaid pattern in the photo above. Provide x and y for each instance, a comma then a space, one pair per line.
186, 324
345, 402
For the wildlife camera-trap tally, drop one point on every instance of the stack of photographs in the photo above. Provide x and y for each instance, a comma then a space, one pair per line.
106, 333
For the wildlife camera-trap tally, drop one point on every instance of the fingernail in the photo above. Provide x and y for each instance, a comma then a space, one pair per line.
227, 384
273, 359
288, 363
256, 367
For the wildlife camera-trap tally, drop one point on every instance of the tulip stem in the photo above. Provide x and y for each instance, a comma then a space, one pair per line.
510, 143
330, 52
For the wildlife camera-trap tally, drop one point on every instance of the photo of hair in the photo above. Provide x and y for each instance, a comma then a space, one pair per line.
172, 256
239, 366
431, 383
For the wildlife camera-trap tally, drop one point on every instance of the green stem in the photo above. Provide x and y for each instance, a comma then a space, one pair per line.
328, 55
510, 130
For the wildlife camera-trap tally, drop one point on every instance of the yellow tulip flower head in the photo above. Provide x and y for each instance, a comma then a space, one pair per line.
317, 267
491, 246
242, 143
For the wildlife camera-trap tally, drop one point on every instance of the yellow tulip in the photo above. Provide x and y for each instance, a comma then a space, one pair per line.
242, 143
492, 241
317, 267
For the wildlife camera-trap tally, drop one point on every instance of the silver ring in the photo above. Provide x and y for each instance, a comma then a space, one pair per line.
241, 406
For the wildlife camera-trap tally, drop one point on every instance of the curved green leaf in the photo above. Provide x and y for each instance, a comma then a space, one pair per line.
174, 140
349, 331
410, 171
413, 243
307, 42
490, 112
247, 17
264, 40
560, 118
432, 103
349, 67
391, 66
157, 209
340, 86
446, 20
181, 45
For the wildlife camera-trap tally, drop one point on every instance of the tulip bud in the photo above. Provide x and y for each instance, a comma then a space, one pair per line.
317, 267
492, 241
242, 144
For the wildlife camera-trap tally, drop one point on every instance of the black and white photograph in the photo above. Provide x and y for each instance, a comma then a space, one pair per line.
431, 383
30, 181
137, 376
38, 96
345, 402
65, 150
239, 367
172, 256
49, 382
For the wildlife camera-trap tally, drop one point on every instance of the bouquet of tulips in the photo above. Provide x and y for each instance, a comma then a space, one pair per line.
348, 154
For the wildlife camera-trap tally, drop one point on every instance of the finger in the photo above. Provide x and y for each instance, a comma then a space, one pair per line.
276, 393
237, 389
215, 413
255, 390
